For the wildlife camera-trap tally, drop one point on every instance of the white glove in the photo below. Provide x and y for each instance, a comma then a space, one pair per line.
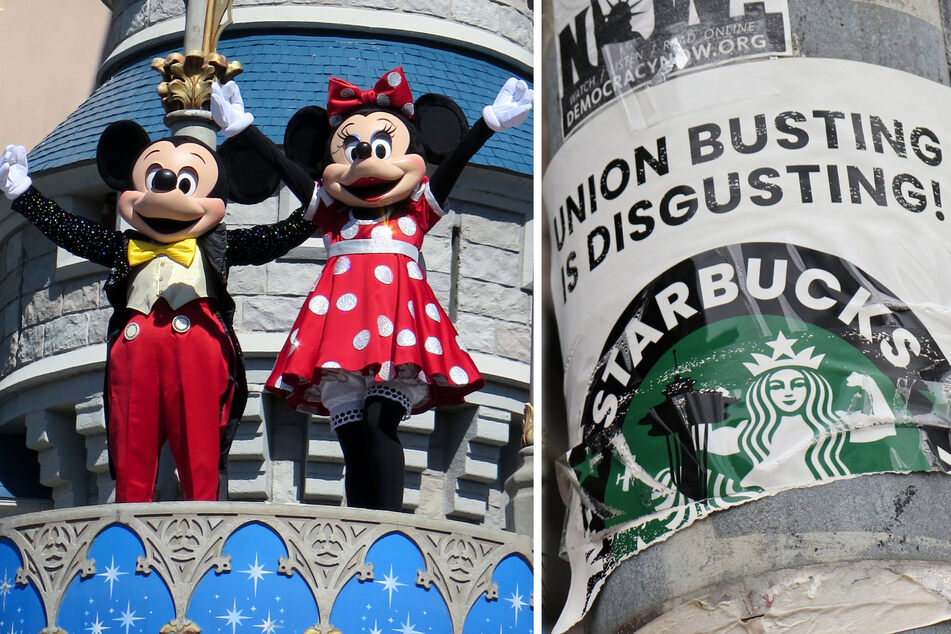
14, 179
227, 109
510, 107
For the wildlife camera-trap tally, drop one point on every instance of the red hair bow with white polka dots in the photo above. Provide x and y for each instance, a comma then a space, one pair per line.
391, 91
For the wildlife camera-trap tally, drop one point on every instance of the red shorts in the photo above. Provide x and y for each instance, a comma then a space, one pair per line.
169, 379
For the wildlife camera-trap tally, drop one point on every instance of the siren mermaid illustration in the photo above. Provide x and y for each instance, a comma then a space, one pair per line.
791, 437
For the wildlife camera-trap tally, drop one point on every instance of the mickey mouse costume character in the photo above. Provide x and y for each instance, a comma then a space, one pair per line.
372, 344
174, 369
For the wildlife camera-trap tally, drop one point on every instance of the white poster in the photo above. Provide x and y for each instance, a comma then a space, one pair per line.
749, 272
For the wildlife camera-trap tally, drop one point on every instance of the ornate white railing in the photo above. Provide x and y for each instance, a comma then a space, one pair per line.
187, 567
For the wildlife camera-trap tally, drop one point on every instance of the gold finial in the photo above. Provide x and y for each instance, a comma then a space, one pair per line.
215, 23
528, 427
186, 627
186, 79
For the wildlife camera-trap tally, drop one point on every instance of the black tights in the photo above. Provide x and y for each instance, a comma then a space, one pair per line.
373, 456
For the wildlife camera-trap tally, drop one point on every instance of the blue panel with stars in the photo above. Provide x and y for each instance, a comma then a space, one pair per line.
253, 596
21, 610
392, 602
116, 599
512, 612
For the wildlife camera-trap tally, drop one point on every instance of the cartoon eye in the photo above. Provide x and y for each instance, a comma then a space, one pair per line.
150, 176
349, 148
382, 146
187, 182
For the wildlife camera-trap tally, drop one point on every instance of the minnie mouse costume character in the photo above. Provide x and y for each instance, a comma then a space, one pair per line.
174, 369
372, 344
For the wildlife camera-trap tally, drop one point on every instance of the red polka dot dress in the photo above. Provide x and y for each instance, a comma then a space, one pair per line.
373, 313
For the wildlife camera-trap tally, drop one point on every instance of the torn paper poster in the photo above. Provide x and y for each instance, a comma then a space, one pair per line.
751, 293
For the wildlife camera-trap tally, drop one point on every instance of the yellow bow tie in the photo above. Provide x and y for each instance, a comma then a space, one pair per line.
182, 251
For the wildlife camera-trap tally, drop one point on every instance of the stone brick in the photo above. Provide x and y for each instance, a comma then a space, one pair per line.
415, 450
263, 213
443, 228
283, 489
67, 333
441, 284
489, 432
164, 9
99, 325
495, 512
478, 333
324, 450
42, 306
30, 345
469, 500
516, 26
90, 417
439, 8
247, 280
97, 453
483, 262
481, 13
515, 341
492, 300
270, 314
438, 255
324, 481
494, 229
9, 350
37, 431
79, 295
124, 23
322, 445
423, 423
250, 442
432, 494
284, 278
247, 481
410, 499
481, 470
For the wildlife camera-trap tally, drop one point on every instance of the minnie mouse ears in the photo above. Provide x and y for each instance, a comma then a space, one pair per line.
442, 125
305, 139
439, 124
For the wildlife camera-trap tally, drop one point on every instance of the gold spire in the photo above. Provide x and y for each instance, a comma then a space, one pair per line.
186, 79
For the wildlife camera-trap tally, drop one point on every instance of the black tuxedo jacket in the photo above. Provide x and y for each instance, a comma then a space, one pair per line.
221, 248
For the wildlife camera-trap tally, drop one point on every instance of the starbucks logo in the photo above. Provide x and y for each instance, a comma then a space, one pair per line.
747, 370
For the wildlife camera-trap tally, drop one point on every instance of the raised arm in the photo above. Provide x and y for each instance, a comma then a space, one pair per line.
79, 236
227, 109
510, 108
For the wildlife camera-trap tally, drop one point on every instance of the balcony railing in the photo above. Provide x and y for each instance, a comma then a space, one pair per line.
188, 567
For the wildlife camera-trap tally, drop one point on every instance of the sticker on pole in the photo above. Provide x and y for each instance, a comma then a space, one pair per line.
639, 42
747, 370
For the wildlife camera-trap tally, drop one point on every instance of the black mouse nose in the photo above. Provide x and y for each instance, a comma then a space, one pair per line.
164, 181
363, 150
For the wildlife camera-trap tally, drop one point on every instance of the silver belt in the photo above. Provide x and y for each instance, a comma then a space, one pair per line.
373, 245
